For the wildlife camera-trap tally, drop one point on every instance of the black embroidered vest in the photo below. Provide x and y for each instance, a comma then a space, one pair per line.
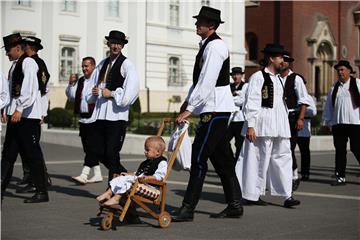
148, 167
354, 92
114, 79
17, 77
78, 95
42, 74
291, 98
223, 78
267, 91
238, 88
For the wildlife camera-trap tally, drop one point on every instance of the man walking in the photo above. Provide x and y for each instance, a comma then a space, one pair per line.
266, 154
210, 96
117, 88
24, 116
76, 91
342, 113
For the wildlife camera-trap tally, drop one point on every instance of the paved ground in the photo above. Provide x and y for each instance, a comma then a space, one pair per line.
325, 212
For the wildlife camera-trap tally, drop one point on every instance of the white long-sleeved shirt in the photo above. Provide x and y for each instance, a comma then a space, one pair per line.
300, 89
4, 93
117, 107
29, 101
84, 107
344, 111
311, 111
205, 96
267, 122
239, 99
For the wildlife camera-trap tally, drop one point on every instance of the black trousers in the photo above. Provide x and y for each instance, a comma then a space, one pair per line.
88, 140
234, 131
304, 146
341, 134
211, 143
293, 116
109, 137
24, 137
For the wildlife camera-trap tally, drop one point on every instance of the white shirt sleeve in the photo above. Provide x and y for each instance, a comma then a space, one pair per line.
301, 91
239, 99
30, 85
252, 105
4, 92
126, 95
161, 171
89, 98
211, 67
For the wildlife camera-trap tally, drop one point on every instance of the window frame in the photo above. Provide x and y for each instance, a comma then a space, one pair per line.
178, 81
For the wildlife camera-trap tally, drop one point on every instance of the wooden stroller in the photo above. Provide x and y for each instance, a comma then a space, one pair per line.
143, 195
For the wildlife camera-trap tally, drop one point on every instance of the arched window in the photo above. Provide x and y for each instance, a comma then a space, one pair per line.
174, 78
174, 12
68, 62
252, 44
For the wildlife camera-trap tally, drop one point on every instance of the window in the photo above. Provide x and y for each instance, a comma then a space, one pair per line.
113, 9
174, 12
68, 62
174, 78
23, 3
205, 3
69, 6
252, 44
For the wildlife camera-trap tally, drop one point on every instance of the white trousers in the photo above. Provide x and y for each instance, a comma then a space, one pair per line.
266, 162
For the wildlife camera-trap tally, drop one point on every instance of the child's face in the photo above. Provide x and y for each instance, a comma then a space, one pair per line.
151, 150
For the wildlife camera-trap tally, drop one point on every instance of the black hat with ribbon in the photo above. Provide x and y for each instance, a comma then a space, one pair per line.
273, 48
236, 70
34, 41
12, 40
209, 14
287, 57
344, 63
116, 37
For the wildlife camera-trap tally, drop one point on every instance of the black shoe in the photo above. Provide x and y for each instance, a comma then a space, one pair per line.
259, 202
295, 184
229, 212
184, 214
38, 198
340, 181
26, 189
290, 202
305, 178
133, 220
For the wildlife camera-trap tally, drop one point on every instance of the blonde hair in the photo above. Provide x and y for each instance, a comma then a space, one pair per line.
158, 141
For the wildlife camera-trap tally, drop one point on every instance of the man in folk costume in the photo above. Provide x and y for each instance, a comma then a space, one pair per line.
117, 88
210, 96
266, 154
32, 46
24, 116
342, 113
238, 90
296, 99
76, 91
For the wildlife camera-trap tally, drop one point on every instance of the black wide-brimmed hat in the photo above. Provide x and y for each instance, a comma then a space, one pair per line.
236, 70
344, 63
12, 40
287, 57
116, 37
34, 41
273, 48
209, 14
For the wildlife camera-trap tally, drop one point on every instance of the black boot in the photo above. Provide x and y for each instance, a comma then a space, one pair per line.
29, 188
38, 198
233, 210
184, 214
191, 199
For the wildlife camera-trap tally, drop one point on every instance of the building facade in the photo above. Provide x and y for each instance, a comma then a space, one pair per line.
162, 40
317, 33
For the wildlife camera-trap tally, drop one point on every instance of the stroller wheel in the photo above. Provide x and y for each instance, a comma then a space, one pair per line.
164, 219
106, 222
